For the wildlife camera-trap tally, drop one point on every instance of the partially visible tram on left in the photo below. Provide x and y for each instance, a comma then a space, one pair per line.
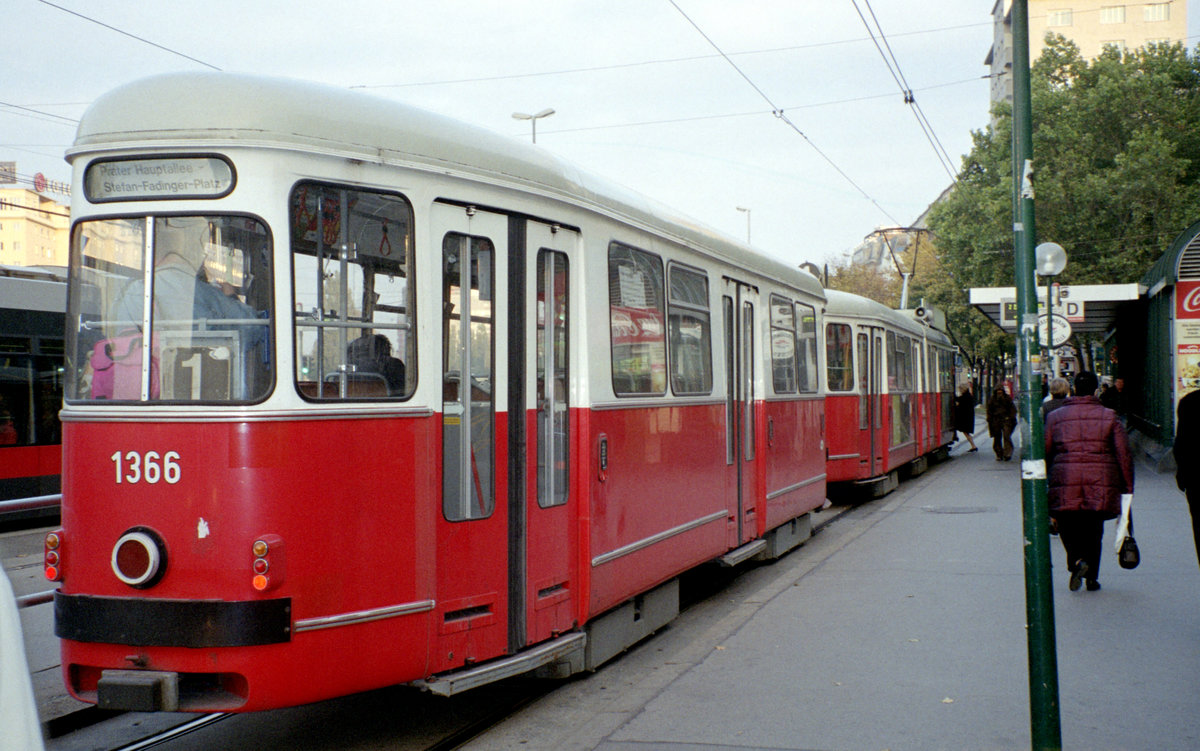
32, 302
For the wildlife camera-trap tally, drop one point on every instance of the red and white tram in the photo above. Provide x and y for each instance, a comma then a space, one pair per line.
890, 390
358, 395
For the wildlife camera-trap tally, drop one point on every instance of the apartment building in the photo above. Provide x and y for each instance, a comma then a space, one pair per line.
1091, 24
34, 228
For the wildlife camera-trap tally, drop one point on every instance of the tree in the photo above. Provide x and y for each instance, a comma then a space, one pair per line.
868, 280
1117, 176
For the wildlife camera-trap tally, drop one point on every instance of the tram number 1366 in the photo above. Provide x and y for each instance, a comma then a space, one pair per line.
150, 467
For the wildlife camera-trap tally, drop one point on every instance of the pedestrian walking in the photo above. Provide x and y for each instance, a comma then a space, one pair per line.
1002, 420
1089, 468
1060, 389
1187, 457
964, 415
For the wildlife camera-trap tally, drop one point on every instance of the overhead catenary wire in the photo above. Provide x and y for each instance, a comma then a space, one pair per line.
893, 66
779, 113
128, 34
643, 63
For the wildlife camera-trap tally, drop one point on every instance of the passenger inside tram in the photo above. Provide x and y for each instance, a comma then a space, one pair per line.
210, 353
370, 355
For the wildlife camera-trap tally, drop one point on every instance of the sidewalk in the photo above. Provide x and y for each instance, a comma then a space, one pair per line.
901, 625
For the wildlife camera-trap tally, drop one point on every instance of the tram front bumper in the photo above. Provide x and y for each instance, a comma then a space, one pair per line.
138, 691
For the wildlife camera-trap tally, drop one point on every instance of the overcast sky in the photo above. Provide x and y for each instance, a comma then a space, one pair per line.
641, 95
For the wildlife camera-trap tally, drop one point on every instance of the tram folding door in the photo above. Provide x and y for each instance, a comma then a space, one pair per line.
873, 440
550, 501
740, 418
471, 247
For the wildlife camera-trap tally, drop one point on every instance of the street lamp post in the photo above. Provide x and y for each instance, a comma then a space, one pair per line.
747, 212
1050, 259
533, 119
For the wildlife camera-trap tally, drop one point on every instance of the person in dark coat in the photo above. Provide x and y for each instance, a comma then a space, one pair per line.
964, 414
371, 354
1088, 469
1187, 457
1002, 420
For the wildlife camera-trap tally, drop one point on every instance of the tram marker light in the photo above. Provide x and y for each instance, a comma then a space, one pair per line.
266, 555
53, 557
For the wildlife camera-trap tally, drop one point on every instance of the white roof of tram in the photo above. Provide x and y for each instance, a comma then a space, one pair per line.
847, 305
212, 110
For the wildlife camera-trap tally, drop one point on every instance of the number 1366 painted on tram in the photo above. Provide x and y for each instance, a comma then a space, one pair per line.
358, 395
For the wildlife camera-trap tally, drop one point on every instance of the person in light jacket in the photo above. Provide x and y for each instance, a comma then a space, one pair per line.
1088, 469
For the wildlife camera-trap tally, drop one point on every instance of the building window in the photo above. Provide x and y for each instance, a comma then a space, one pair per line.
1156, 12
1059, 18
1112, 14
1116, 44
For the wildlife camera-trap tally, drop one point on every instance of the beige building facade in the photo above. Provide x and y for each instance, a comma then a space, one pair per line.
34, 228
1092, 25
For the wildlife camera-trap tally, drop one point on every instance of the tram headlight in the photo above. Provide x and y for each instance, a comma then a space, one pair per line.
52, 556
266, 563
139, 558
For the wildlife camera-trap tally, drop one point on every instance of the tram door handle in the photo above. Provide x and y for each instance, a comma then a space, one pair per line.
771, 432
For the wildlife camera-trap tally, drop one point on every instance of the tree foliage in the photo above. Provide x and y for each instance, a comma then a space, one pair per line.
1116, 152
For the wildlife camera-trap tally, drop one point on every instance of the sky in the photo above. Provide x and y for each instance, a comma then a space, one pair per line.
782, 107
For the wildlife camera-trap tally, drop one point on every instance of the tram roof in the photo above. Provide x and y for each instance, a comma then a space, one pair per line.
848, 304
222, 109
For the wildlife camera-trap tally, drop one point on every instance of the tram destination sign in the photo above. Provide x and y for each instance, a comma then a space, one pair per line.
159, 178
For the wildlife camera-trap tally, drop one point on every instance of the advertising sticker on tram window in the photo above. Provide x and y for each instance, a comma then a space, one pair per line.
160, 178
1187, 337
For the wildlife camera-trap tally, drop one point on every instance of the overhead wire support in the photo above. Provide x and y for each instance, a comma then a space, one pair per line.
893, 66
778, 112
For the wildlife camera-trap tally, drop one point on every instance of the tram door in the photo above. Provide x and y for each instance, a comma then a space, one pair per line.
872, 442
740, 421
472, 531
550, 579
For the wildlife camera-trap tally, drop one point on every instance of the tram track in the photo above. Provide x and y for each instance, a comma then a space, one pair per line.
166, 736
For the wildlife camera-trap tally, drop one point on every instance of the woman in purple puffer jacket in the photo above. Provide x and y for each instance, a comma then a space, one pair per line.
1088, 467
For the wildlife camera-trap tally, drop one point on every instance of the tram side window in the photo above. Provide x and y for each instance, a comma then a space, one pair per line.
352, 288
689, 332
806, 351
783, 345
199, 332
31, 389
901, 381
839, 357
636, 316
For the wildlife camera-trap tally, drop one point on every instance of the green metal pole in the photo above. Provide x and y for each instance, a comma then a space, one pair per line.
1039, 594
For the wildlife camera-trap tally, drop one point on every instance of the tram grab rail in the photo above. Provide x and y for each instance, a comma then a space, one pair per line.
33, 503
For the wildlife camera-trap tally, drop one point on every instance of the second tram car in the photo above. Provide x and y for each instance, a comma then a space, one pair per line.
32, 302
357, 395
890, 390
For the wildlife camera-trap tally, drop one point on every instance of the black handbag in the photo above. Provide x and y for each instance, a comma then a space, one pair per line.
1128, 556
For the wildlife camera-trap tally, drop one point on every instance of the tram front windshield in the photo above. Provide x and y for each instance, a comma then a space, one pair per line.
170, 309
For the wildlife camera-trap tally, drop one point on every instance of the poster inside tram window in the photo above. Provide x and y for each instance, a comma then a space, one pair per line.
1187, 337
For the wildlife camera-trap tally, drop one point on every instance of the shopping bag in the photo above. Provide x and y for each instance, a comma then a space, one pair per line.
117, 368
1123, 521
1128, 555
